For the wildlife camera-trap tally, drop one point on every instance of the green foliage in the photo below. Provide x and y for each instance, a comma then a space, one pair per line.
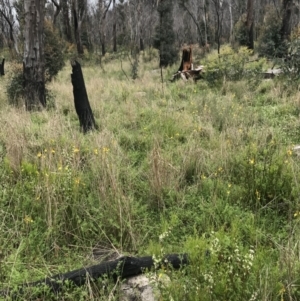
269, 41
54, 57
14, 88
266, 177
231, 65
164, 39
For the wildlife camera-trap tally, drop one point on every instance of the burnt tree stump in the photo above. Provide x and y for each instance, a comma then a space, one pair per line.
186, 60
2, 67
81, 101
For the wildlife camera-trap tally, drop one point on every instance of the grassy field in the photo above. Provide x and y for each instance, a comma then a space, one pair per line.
207, 169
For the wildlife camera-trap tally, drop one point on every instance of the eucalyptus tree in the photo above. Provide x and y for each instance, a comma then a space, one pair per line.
33, 59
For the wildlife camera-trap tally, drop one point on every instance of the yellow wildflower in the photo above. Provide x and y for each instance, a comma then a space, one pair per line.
76, 150
39, 155
251, 161
28, 219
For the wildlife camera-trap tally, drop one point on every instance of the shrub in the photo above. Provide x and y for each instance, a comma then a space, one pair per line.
230, 65
54, 58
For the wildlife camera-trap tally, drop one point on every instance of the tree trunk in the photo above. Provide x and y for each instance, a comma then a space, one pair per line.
77, 29
103, 49
286, 19
114, 27
2, 68
33, 61
250, 24
66, 21
82, 105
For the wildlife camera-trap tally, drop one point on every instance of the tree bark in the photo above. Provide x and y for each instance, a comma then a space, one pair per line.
33, 61
82, 105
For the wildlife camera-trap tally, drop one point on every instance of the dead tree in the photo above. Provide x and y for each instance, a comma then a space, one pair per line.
2, 67
81, 101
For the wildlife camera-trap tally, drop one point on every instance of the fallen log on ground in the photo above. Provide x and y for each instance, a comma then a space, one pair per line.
82, 105
123, 267
2, 67
194, 74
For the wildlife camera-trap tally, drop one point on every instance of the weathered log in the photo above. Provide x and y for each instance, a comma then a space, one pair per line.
82, 105
194, 74
123, 267
271, 73
2, 67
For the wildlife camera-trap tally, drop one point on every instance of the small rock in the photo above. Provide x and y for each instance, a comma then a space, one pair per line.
137, 288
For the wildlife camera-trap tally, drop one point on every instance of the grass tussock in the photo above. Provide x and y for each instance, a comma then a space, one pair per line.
206, 168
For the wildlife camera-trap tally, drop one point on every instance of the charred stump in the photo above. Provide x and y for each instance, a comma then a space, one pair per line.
186, 60
81, 101
2, 67
186, 69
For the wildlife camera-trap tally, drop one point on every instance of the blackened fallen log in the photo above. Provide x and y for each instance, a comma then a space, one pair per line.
2, 67
82, 105
123, 267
